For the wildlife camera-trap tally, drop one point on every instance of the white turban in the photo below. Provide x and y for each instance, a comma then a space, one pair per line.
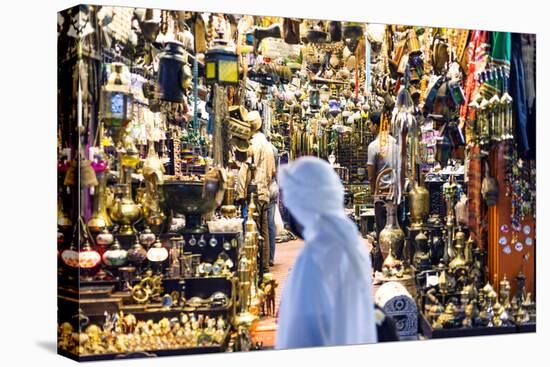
311, 187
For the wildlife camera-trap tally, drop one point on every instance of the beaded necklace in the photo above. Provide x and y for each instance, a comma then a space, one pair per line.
520, 187
383, 135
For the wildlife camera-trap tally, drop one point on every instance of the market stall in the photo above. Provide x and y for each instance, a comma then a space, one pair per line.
171, 126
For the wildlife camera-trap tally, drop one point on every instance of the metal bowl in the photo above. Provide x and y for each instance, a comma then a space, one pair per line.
192, 199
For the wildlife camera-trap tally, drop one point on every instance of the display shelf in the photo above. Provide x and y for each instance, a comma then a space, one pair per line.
426, 329
150, 353
69, 300
530, 327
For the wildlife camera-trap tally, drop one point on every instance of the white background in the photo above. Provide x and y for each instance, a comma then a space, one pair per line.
28, 192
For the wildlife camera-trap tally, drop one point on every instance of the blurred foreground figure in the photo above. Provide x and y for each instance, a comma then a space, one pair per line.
327, 299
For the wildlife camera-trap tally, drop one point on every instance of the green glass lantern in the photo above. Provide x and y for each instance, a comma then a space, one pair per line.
116, 98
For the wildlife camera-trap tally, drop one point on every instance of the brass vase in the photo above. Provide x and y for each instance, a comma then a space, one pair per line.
99, 220
391, 241
419, 201
392, 236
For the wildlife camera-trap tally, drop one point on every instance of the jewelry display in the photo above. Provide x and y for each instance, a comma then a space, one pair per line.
145, 336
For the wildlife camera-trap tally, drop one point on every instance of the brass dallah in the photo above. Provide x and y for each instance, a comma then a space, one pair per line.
125, 211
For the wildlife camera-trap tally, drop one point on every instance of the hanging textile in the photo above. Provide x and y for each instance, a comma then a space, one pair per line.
501, 53
475, 201
528, 51
477, 59
267, 116
519, 98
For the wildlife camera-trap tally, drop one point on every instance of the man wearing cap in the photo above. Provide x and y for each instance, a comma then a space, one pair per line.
260, 156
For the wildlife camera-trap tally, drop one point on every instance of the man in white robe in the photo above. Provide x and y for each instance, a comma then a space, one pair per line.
327, 298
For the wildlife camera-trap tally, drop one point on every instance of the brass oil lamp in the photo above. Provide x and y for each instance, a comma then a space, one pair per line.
447, 318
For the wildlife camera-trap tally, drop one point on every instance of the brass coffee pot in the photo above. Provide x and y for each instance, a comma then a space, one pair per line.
125, 211
458, 261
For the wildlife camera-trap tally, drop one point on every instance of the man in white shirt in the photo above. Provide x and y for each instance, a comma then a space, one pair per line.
260, 156
380, 157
